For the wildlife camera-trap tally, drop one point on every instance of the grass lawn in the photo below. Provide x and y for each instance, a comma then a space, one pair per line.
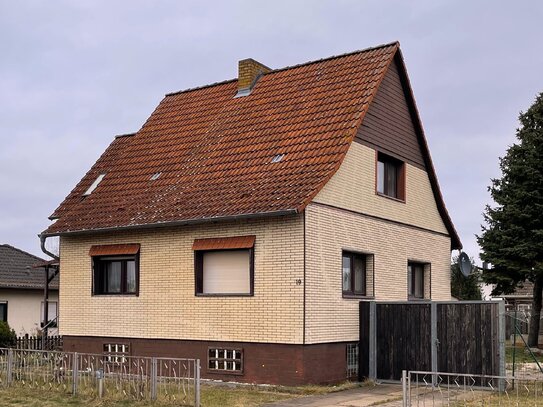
521, 355
211, 396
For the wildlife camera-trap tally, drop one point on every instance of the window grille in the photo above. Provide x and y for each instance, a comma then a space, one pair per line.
225, 360
352, 360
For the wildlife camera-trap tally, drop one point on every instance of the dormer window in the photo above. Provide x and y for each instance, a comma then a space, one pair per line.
390, 177
94, 184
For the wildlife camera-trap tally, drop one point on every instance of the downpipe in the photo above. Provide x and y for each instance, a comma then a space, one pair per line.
43, 238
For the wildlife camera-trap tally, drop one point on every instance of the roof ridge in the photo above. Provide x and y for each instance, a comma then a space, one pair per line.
346, 54
21, 251
390, 44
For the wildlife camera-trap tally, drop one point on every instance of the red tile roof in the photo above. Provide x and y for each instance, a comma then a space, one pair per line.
224, 243
214, 152
114, 249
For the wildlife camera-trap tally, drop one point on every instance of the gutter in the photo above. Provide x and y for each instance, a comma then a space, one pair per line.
44, 235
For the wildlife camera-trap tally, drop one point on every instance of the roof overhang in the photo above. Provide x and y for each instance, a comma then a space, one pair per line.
175, 223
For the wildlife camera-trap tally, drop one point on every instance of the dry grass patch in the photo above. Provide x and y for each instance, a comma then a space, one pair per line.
212, 395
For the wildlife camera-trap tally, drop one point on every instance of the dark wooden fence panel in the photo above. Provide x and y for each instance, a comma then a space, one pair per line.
403, 335
449, 337
467, 337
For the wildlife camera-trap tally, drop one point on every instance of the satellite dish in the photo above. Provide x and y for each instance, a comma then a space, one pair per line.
465, 264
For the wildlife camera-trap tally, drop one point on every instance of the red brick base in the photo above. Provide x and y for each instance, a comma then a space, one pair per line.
263, 362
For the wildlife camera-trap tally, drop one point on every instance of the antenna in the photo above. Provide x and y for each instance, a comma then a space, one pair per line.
464, 263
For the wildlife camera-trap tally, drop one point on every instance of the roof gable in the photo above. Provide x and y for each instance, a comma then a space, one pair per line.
392, 125
215, 151
388, 125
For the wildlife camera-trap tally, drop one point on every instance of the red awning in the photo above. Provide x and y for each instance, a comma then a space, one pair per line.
224, 243
114, 249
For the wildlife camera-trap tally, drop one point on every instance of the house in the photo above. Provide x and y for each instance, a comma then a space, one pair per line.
520, 299
243, 223
22, 291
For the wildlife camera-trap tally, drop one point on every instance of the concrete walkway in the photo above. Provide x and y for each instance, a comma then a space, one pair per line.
389, 395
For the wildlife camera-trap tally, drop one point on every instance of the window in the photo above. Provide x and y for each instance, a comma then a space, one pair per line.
352, 360
51, 312
116, 352
116, 275
390, 177
415, 273
224, 272
354, 274
94, 185
3, 311
225, 360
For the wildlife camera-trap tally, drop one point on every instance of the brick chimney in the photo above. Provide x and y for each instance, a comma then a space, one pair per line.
249, 71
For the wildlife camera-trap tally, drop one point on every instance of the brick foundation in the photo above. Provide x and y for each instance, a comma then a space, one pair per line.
263, 362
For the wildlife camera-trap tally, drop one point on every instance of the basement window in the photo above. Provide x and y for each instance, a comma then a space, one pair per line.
94, 185
352, 360
221, 360
116, 352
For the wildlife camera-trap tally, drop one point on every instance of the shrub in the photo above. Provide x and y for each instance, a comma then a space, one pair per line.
8, 338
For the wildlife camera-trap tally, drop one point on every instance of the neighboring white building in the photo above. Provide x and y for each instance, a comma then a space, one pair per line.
22, 291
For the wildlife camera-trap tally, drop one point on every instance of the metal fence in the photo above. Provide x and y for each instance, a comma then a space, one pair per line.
111, 376
521, 360
427, 389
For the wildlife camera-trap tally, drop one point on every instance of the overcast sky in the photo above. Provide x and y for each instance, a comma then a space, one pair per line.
75, 73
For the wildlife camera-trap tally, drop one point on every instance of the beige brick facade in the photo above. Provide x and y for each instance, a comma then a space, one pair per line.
348, 215
329, 231
353, 187
167, 306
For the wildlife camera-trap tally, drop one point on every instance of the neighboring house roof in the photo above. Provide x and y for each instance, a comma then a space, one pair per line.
218, 156
525, 290
16, 270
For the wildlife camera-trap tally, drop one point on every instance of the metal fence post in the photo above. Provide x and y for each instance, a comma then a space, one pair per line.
434, 341
75, 373
501, 341
9, 372
373, 341
197, 383
404, 388
153, 379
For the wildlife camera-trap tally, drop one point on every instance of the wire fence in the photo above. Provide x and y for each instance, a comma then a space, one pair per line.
428, 389
111, 376
521, 360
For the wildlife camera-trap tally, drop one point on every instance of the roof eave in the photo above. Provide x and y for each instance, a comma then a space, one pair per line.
174, 223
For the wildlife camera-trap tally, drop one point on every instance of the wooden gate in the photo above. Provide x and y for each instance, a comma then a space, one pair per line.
453, 337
